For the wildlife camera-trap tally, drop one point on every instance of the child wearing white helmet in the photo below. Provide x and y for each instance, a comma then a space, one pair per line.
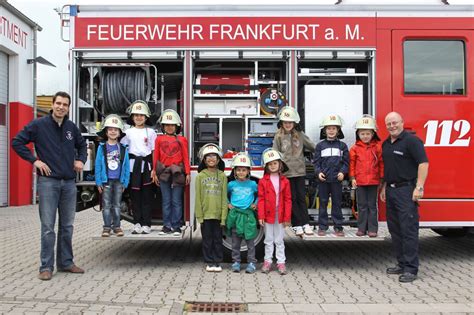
171, 170
274, 208
331, 164
112, 173
210, 204
291, 142
366, 173
141, 143
241, 220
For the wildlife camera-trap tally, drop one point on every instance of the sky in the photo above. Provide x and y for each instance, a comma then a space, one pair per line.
52, 48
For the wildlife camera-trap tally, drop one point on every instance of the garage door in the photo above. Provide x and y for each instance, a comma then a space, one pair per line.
3, 129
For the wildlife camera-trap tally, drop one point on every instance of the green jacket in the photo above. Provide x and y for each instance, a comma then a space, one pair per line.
211, 196
244, 221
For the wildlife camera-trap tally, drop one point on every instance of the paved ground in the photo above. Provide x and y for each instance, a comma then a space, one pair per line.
132, 277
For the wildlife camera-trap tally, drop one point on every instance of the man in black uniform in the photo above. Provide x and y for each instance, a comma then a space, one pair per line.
406, 169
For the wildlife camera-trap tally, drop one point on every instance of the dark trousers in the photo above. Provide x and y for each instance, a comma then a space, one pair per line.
299, 211
212, 241
236, 242
141, 203
335, 191
367, 208
403, 224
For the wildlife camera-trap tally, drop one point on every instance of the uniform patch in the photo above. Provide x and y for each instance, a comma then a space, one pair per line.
398, 152
69, 135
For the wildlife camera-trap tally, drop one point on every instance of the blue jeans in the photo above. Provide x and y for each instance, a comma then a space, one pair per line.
111, 198
56, 195
172, 198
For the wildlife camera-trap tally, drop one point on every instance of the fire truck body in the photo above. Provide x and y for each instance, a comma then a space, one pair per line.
228, 69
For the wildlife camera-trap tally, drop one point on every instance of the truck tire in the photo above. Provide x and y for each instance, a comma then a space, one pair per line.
452, 232
259, 245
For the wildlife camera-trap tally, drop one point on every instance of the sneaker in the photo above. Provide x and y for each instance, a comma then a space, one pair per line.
177, 232
137, 229
307, 230
372, 234
360, 233
281, 269
321, 232
235, 267
299, 231
146, 229
251, 268
339, 232
210, 268
165, 230
106, 232
217, 268
118, 231
267, 266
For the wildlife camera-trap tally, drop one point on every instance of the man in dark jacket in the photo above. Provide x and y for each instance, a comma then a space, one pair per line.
61, 152
406, 169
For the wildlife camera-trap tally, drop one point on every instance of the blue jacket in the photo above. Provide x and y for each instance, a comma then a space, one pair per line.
57, 146
331, 157
101, 168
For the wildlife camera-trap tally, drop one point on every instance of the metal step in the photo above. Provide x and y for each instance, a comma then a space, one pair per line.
350, 235
153, 236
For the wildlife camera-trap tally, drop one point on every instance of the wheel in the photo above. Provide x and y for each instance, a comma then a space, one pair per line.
452, 232
227, 242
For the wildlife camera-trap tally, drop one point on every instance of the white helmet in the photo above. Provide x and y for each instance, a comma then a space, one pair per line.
139, 107
288, 113
331, 120
366, 122
209, 148
170, 117
270, 155
241, 159
112, 120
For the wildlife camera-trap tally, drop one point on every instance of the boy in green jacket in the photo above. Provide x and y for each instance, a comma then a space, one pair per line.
210, 205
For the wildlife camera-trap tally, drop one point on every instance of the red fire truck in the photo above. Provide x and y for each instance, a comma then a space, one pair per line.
228, 69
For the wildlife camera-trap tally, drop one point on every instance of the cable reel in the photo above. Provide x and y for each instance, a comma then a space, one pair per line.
271, 100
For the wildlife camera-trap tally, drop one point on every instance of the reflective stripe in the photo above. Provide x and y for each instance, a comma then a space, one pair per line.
331, 152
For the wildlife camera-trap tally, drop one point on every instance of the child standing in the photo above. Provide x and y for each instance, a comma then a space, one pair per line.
365, 172
171, 170
331, 163
112, 173
211, 204
274, 208
291, 142
241, 221
141, 143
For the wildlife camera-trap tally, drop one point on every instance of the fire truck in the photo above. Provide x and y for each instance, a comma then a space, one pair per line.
227, 70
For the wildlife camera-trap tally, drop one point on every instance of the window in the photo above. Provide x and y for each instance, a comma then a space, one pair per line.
434, 67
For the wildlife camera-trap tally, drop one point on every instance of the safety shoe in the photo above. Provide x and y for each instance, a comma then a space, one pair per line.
298, 230
307, 230
106, 232
118, 231
397, 270
235, 267
251, 268
321, 232
45, 275
137, 229
267, 266
165, 230
407, 277
281, 269
360, 233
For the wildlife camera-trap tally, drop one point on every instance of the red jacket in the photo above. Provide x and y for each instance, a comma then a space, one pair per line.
267, 200
366, 164
171, 150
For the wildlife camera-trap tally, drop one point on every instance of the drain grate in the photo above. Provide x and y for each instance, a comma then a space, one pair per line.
215, 307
